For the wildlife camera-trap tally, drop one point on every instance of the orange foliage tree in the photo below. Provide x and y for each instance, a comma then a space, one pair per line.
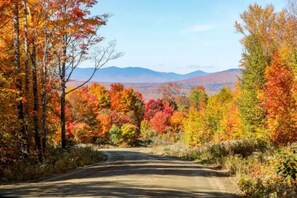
279, 101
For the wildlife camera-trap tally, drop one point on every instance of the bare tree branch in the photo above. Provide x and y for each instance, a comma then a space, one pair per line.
100, 58
292, 8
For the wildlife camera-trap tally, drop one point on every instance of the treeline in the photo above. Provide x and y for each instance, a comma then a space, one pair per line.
263, 105
98, 115
41, 44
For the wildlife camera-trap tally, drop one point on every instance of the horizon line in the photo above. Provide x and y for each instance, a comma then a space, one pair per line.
125, 67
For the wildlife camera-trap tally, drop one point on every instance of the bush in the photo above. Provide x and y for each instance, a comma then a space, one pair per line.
287, 167
146, 132
129, 133
115, 135
59, 161
275, 176
216, 153
234, 163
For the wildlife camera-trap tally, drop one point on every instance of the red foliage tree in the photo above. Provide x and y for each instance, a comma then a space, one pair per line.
152, 107
279, 100
160, 120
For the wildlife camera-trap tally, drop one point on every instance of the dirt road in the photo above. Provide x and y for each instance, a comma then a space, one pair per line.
130, 173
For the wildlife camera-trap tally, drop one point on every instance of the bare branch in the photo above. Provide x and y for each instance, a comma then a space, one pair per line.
292, 8
100, 58
80, 55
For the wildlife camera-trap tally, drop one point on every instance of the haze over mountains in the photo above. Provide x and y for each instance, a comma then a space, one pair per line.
132, 75
148, 82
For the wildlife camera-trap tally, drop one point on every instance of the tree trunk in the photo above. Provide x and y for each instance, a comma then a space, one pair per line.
63, 117
44, 111
36, 102
27, 71
26, 46
63, 96
17, 62
44, 94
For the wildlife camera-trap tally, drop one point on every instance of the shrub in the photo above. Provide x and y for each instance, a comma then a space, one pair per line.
287, 167
215, 153
273, 177
115, 134
227, 154
59, 161
129, 133
146, 132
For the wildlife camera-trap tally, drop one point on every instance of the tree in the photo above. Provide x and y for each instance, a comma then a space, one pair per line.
259, 43
265, 32
104, 124
152, 107
194, 128
132, 102
50, 39
160, 122
183, 103
169, 92
19, 84
115, 94
77, 32
279, 100
127, 101
129, 133
222, 117
176, 121
84, 106
115, 134
198, 97
9, 135
101, 94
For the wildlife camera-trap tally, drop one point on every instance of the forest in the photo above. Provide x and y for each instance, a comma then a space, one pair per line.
251, 130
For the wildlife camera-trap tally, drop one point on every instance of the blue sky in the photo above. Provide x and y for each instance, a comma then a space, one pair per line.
176, 35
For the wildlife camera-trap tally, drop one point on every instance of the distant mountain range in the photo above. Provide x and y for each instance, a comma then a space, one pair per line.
223, 77
132, 75
148, 82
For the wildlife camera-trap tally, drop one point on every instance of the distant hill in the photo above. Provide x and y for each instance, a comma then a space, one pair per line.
131, 75
224, 77
212, 82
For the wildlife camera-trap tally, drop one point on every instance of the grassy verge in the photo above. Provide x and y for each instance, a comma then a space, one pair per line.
58, 161
261, 170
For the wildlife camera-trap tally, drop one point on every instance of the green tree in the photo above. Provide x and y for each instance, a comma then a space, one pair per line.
115, 134
258, 44
198, 97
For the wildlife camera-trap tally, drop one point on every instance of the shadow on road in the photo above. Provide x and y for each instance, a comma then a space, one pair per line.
124, 164
104, 189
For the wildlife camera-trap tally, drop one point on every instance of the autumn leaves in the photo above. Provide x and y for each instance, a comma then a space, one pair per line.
50, 39
267, 97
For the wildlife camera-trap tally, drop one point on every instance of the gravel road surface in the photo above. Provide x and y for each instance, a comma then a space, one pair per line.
130, 173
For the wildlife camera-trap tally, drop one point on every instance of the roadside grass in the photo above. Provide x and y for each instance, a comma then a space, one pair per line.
260, 169
57, 161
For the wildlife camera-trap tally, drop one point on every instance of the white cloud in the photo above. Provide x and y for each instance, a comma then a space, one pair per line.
198, 28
